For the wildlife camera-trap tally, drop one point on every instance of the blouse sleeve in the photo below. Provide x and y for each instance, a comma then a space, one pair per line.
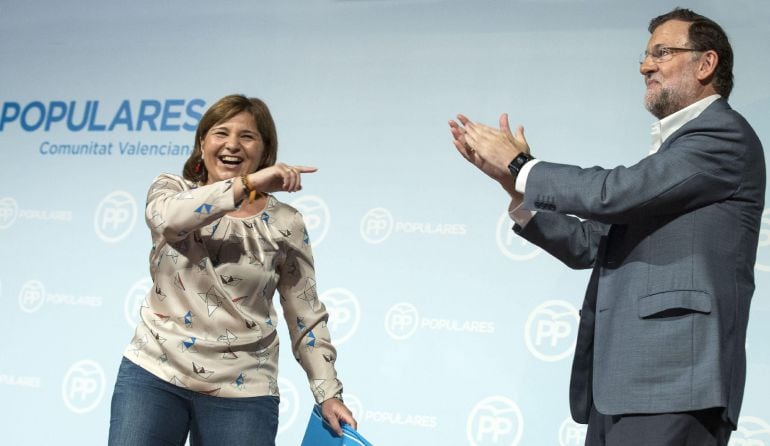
306, 315
174, 209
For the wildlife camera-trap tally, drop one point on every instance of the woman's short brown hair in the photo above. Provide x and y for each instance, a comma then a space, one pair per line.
221, 111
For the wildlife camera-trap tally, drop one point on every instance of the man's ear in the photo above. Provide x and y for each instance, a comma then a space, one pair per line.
707, 65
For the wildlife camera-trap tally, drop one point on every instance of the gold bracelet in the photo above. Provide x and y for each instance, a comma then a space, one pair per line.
247, 188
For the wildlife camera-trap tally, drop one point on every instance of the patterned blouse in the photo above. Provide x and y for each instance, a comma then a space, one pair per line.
209, 324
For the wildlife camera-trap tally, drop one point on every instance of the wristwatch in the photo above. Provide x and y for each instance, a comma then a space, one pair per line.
517, 163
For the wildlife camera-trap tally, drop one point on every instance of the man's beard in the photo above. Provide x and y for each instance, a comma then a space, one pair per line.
670, 99
664, 103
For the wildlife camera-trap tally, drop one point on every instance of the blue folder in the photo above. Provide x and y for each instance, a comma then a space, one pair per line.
318, 433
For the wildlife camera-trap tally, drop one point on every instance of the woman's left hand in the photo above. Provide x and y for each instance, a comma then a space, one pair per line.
335, 412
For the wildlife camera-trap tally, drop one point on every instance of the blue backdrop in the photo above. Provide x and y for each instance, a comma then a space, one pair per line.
450, 330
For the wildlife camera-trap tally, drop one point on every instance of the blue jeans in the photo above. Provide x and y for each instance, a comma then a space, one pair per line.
147, 410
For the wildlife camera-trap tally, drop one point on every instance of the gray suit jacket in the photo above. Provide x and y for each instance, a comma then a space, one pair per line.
672, 242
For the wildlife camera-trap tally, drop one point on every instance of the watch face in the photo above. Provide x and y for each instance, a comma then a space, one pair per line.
517, 163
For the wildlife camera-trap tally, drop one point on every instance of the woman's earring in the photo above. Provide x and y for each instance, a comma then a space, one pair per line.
200, 162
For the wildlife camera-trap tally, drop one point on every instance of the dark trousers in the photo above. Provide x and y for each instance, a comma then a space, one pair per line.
697, 428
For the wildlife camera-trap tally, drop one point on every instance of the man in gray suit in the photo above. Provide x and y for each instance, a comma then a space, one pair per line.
660, 357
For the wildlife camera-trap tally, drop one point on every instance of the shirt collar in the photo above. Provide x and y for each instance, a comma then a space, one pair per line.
664, 128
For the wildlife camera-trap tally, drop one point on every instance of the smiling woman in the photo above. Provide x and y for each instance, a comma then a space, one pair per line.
254, 123
204, 359
232, 148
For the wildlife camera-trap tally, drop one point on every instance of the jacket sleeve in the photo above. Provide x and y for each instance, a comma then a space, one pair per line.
703, 164
306, 315
174, 210
573, 241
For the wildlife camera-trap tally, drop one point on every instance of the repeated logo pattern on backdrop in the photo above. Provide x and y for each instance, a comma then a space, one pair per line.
83, 386
11, 213
495, 420
379, 224
449, 328
402, 417
511, 246
752, 431
571, 433
551, 330
33, 296
539, 324
403, 320
316, 215
344, 313
115, 216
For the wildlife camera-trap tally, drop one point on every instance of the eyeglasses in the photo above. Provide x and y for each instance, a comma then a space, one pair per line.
662, 54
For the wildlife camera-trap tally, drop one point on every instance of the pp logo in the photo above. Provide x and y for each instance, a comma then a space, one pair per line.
355, 406
401, 321
134, 301
31, 296
549, 328
511, 245
344, 313
376, 226
8, 212
495, 420
83, 386
763, 247
288, 408
752, 431
571, 433
316, 215
115, 216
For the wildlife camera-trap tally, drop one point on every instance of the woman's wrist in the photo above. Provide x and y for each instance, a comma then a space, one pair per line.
248, 189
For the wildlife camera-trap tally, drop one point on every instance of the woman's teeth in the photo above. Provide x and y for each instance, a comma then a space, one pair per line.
230, 159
